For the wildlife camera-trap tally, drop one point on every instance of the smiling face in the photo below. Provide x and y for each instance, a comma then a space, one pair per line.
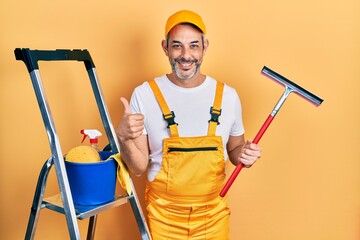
185, 48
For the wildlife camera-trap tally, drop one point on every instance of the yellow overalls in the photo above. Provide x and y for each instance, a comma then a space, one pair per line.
183, 201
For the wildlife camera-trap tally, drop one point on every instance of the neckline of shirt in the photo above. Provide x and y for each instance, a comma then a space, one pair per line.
170, 84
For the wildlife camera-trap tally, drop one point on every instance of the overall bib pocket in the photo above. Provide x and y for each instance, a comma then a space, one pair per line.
193, 166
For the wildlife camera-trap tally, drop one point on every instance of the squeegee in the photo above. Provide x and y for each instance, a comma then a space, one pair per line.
289, 88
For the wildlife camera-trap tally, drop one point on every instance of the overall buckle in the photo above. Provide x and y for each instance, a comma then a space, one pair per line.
170, 118
215, 114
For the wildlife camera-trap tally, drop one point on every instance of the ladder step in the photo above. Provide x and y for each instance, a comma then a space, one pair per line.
82, 211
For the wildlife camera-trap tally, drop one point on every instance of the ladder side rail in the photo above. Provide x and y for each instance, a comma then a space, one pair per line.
38, 197
139, 216
91, 228
57, 156
104, 113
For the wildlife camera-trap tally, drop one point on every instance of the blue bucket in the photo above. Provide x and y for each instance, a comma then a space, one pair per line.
92, 183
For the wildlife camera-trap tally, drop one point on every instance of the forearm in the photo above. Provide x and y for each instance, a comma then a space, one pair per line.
234, 155
135, 154
234, 147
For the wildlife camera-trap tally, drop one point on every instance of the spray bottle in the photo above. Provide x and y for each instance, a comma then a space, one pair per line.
93, 134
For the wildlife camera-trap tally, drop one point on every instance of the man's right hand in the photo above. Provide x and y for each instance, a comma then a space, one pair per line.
131, 125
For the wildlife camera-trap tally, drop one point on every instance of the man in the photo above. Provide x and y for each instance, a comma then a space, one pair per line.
181, 127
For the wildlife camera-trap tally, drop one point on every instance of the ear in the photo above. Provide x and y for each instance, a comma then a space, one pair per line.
206, 45
164, 47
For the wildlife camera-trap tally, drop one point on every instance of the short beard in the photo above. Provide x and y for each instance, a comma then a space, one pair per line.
178, 72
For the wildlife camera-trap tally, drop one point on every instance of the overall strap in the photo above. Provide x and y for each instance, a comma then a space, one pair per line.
168, 115
215, 110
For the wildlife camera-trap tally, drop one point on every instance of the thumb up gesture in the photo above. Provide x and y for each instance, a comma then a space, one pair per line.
131, 125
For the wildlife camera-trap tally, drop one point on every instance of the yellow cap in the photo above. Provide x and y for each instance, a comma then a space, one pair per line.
184, 16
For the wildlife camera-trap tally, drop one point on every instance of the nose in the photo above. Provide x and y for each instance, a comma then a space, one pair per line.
186, 53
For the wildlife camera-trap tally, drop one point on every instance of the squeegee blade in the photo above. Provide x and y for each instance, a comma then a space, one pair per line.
293, 86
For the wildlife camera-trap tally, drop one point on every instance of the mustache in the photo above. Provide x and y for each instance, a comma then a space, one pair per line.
183, 60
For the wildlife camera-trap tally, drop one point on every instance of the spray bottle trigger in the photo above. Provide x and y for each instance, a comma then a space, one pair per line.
82, 132
83, 138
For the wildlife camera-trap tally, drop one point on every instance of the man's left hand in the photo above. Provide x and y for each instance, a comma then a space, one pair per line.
249, 154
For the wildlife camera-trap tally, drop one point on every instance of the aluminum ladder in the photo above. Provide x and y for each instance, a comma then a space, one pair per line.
63, 202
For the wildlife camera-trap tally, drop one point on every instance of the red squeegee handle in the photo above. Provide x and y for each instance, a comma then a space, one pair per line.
240, 166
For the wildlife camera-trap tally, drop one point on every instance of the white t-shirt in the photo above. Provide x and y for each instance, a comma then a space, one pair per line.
191, 107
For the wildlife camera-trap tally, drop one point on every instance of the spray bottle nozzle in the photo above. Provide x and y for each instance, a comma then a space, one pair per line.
92, 133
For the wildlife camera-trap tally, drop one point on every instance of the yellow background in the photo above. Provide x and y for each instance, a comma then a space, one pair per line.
306, 185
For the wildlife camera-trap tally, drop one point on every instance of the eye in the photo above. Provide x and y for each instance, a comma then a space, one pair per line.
176, 46
194, 46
